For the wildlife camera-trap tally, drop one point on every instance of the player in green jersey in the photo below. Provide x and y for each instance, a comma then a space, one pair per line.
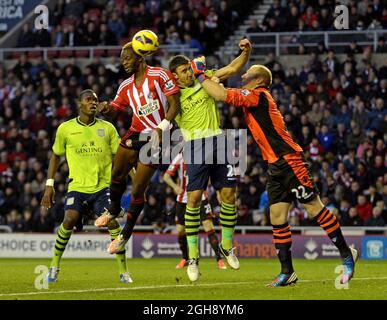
199, 123
88, 144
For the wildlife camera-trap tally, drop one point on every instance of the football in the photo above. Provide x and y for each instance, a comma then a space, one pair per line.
145, 42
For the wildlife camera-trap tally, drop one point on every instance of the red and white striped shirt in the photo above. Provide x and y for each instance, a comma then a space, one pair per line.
147, 101
178, 165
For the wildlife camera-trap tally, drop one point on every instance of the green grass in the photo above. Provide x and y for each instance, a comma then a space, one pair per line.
158, 279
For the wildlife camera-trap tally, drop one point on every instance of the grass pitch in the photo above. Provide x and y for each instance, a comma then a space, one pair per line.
97, 279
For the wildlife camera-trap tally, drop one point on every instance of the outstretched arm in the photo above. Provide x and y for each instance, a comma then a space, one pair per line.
237, 64
235, 97
107, 111
215, 90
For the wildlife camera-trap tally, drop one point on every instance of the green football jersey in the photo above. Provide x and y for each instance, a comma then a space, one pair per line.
199, 116
89, 150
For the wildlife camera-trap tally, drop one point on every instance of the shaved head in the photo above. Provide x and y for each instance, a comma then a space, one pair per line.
260, 71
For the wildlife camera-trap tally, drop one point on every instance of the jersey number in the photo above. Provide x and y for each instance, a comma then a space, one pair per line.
231, 171
301, 193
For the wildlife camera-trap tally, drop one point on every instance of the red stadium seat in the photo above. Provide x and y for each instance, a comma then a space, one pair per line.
16, 55
52, 54
34, 54
82, 53
113, 52
66, 54
99, 53
68, 21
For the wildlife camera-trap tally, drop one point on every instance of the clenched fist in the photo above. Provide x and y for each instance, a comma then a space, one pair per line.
245, 45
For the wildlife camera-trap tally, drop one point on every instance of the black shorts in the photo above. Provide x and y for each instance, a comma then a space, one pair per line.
132, 141
85, 203
212, 164
205, 212
290, 179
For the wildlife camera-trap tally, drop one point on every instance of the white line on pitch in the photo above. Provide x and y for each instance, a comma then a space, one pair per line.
127, 289
164, 287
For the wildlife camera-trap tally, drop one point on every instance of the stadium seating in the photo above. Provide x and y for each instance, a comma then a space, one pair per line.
334, 105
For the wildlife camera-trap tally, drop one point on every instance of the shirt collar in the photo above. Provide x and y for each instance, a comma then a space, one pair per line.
86, 125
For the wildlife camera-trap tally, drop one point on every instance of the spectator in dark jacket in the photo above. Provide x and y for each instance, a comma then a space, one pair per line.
376, 220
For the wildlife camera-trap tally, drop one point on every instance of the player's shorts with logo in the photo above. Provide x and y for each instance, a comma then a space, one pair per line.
207, 159
132, 140
85, 203
290, 179
205, 212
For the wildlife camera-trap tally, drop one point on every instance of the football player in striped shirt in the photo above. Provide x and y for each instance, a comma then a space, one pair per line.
152, 95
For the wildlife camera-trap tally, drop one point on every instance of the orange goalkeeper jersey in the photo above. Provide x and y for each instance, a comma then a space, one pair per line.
264, 121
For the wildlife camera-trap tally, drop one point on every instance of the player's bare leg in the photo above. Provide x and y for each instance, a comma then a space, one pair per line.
141, 181
228, 220
208, 227
282, 241
63, 236
124, 161
192, 224
326, 220
114, 229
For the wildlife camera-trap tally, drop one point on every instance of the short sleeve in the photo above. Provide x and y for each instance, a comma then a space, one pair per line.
168, 83
121, 100
59, 147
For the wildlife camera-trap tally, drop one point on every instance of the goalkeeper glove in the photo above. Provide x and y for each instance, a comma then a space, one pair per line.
198, 66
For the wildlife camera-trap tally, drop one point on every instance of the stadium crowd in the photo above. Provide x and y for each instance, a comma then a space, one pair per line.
296, 15
198, 24
335, 110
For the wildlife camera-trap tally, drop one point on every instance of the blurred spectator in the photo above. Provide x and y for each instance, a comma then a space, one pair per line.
254, 27
376, 220
26, 37
72, 37
15, 221
315, 149
153, 213
363, 208
352, 218
106, 37
27, 222
74, 9
325, 138
193, 43
43, 222
332, 62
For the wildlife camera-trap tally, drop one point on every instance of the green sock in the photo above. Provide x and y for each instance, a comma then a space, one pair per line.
192, 224
120, 256
62, 237
228, 220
